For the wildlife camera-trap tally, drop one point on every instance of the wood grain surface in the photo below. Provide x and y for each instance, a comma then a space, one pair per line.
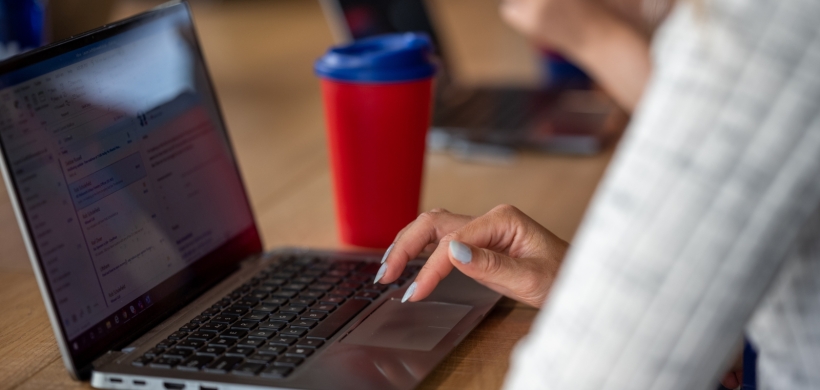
260, 55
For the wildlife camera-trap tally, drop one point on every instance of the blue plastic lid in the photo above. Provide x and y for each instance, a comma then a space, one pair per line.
384, 58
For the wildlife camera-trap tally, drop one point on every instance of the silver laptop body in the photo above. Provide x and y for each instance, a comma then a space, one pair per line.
145, 247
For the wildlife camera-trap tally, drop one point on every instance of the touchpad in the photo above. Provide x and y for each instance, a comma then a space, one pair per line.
412, 325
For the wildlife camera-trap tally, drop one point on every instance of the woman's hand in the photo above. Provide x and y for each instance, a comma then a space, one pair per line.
504, 250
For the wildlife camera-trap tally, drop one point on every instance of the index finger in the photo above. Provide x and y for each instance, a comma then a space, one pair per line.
428, 228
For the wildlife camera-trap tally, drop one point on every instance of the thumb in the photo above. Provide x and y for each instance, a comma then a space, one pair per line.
484, 265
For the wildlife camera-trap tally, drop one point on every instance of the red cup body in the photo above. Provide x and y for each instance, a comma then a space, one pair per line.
376, 139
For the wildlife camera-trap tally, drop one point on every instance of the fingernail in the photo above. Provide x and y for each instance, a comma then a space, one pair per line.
387, 252
461, 252
380, 273
409, 293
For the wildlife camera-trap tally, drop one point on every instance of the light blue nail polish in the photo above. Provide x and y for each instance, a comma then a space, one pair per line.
387, 252
409, 293
461, 252
380, 273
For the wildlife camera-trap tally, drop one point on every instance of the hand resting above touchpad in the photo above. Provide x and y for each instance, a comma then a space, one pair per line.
416, 326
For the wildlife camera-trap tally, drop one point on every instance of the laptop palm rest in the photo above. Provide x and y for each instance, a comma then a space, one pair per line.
417, 326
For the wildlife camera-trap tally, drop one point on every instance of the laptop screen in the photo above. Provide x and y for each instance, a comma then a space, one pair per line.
124, 177
366, 18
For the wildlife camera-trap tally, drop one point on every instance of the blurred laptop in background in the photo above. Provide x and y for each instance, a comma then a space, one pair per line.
565, 118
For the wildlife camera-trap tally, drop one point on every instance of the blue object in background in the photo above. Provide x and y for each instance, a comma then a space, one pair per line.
749, 366
21, 26
560, 73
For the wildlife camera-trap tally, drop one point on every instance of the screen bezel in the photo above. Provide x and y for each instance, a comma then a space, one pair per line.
186, 284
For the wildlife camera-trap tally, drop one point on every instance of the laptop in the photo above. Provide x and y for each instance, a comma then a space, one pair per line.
566, 118
144, 244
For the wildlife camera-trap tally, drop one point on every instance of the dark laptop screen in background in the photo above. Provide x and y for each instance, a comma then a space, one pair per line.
124, 175
365, 18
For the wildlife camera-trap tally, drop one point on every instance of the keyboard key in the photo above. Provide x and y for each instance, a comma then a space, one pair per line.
379, 288
210, 312
180, 353
141, 361
287, 317
311, 294
234, 333
292, 309
164, 362
261, 334
295, 332
337, 273
251, 343
244, 325
223, 303
191, 344
327, 328
223, 319
195, 363
177, 335
222, 342
211, 350
188, 328
282, 340
333, 300
361, 279
248, 369
282, 274
330, 280
240, 351
310, 343
305, 260
325, 307
264, 289
276, 372
303, 323
199, 320
314, 315
165, 344
260, 358
275, 301
369, 269
367, 295
246, 302
265, 308
275, 282
258, 295
287, 294
223, 364
271, 349
272, 325
349, 286
213, 327
235, 310
255, 316
302, 302
301, 352
288, 361
154, 352
341, 293
205, 336
303, 280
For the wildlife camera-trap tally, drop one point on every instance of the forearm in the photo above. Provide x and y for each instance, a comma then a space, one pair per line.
615, 54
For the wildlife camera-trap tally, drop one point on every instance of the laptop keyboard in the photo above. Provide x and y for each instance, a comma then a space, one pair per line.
270, 325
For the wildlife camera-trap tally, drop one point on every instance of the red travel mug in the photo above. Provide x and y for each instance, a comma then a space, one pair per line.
377, 95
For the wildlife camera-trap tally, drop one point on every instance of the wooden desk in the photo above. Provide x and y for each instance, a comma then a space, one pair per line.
260, 55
